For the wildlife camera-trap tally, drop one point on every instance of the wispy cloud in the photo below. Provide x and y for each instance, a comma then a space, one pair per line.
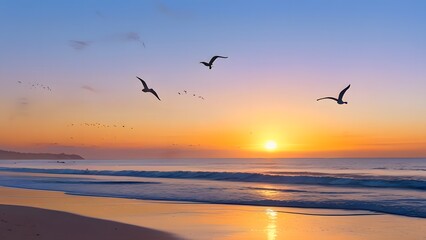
171, 12
89, 88
119, 37
21, 108
23, 102
132, 37
100, 14
79, 45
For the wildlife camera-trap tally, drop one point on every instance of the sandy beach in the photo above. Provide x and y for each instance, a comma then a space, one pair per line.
82, 217
19, 222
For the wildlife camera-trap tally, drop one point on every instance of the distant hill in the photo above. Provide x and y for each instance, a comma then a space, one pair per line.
8, 155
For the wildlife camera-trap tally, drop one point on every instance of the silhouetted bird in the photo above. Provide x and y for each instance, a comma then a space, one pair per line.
146, 89
185, 91
210, 64
340, 100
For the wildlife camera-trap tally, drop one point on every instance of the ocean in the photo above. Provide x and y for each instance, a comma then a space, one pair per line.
394, 186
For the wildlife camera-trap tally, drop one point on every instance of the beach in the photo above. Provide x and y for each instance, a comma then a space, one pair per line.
56, 215
20, 222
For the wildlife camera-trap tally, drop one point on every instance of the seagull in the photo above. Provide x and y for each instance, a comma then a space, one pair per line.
210, 64
146, 89
340, 100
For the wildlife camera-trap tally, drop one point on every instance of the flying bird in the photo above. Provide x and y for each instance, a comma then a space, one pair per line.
147, 89
340, 99
210, 64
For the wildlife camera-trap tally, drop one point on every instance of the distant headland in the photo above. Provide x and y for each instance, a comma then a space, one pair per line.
8, 155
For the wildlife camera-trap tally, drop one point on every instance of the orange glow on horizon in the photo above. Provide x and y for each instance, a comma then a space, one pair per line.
201, 133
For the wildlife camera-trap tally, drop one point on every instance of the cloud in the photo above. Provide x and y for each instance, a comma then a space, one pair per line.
88, 88
170, 12
133, 37
119, 37
46, 144
79, 45
23, 102
161, 7
20, 109
100, 14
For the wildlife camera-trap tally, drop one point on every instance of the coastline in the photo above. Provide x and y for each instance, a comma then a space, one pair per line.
214, 221
342, 192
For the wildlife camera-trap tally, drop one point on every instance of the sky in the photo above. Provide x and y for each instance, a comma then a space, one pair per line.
282, 56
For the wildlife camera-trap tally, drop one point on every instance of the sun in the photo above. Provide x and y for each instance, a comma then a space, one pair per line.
270, 145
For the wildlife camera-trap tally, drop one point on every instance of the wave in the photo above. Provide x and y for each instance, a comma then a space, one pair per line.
356, 205
303, 191
95, 182
305, 178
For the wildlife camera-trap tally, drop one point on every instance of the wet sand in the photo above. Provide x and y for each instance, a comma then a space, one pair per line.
18, 223
213, 221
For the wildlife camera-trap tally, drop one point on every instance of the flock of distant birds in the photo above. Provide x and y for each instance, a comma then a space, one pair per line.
194, 95
209, 64
36, 85
99, 125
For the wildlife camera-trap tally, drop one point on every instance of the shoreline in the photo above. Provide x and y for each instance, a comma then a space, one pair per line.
364, 212
202, 221
266, 203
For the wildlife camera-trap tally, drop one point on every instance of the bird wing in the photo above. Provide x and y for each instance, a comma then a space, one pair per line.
343, 92
144, 83
155, 94
332, 98
214, 59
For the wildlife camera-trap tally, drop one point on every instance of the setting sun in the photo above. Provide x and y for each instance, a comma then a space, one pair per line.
270, 145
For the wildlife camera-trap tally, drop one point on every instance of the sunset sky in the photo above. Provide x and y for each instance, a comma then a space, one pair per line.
283, 55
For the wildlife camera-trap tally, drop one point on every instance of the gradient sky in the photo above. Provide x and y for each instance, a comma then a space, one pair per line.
283, 55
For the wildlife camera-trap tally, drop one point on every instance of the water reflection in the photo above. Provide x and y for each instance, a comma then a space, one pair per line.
267, 192
271, 228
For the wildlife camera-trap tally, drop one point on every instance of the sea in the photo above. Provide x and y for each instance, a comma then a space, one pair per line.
393, 186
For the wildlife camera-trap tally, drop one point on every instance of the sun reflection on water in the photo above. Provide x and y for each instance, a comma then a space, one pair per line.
267, 192
271, 228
